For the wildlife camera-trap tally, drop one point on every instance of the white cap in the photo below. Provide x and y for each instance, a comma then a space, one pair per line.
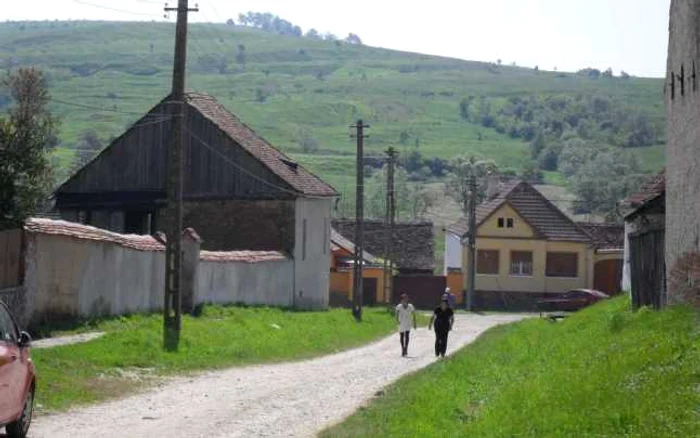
447, 290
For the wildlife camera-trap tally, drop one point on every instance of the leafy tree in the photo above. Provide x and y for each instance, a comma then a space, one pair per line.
608, 73
313, 34
240, 56
462, 169
353, 39
27, 132
213, 63
230, 22
305, 140
532, 174
538, 144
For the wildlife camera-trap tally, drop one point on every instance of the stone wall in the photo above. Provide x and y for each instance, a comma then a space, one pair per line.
682, 96
240, 225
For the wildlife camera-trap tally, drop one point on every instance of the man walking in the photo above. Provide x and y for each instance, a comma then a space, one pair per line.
405, 313
443, 318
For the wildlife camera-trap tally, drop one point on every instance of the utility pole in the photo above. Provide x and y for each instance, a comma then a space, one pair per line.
172, 308
472, 243
359, 222
389, 225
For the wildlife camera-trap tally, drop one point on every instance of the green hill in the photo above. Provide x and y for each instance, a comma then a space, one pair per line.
302, 93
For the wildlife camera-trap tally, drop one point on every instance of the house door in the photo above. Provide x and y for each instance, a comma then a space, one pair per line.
607, 276
369, 291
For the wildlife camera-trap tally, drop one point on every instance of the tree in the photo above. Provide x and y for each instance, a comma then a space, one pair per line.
240, 56
462, 169
608, 73
305, 140
230, 22
27, 132
538, 144
353, 39
313, 34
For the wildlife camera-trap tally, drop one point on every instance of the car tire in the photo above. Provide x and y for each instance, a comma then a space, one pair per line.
20, 428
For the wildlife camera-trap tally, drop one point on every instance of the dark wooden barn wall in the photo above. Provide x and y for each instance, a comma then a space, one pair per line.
136, 161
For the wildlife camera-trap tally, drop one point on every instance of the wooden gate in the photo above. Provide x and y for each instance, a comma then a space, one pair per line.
648, 268
424, 291
608, 276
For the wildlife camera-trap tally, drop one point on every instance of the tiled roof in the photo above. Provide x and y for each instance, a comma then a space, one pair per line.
655, 187
80, 231
413, 242
140, 243
241, 256
340, 242
298, 178
605, 236
544, 217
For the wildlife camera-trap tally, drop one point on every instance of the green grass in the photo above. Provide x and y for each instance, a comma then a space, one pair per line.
130, 355
605, 372
125, 68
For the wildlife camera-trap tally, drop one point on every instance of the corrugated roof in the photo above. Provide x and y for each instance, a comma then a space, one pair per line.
544, 217
299, 179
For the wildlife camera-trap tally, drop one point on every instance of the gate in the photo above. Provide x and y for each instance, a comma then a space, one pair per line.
648, 268
369, 291
424, 291
607, 276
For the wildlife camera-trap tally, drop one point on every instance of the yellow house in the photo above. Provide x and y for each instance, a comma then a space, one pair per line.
526, 248
342, 267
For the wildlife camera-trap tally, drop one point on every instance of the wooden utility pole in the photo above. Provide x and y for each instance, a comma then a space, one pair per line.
472, 243
359, 223
389, 225
172, 308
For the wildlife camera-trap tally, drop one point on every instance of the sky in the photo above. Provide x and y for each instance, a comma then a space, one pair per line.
568, 35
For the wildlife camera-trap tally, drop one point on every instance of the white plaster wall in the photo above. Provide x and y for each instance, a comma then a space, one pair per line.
76, 277
312, 269
268, 283
453, 251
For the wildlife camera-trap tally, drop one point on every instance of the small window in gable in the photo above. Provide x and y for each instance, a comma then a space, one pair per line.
501, 222
509, 222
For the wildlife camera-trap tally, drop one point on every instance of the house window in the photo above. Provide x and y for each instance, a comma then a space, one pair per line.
501, 222
303, 240
509, 222
521, 263
562, 264
487, 262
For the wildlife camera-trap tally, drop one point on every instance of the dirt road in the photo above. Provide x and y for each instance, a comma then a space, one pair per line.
284, 400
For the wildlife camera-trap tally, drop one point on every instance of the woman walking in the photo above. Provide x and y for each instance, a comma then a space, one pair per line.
443, 318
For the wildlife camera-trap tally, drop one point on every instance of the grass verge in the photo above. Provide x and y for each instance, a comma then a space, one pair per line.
130, 355
605, 371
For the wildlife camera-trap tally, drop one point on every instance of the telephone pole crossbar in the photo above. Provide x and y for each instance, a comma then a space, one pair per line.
172, 309
357, 283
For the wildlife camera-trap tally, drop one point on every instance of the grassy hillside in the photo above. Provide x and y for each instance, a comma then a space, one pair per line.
604, 372
104, 74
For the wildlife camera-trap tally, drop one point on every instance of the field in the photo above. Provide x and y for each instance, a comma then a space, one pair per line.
103, 75
606, 371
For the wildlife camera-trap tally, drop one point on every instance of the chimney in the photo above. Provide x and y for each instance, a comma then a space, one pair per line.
493, 186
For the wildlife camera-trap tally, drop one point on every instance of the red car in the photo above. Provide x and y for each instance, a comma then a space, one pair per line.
17, 378
572, 300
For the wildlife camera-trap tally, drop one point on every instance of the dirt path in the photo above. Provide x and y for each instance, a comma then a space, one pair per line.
66, 340
285, 400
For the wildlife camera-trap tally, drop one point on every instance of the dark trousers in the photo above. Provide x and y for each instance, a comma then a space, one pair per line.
441, 342
404, 336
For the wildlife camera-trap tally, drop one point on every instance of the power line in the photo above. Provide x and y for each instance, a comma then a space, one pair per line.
109, 8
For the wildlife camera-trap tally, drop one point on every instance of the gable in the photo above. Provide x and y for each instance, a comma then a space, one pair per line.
496, 225
222, 157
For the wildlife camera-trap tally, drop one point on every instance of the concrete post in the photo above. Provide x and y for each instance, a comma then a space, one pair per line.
191, 244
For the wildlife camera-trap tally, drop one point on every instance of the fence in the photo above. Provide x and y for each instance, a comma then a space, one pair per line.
647, 268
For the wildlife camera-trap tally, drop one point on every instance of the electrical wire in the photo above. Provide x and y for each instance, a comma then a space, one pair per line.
109, 8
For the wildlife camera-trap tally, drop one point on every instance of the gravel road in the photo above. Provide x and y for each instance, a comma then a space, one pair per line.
296, 399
